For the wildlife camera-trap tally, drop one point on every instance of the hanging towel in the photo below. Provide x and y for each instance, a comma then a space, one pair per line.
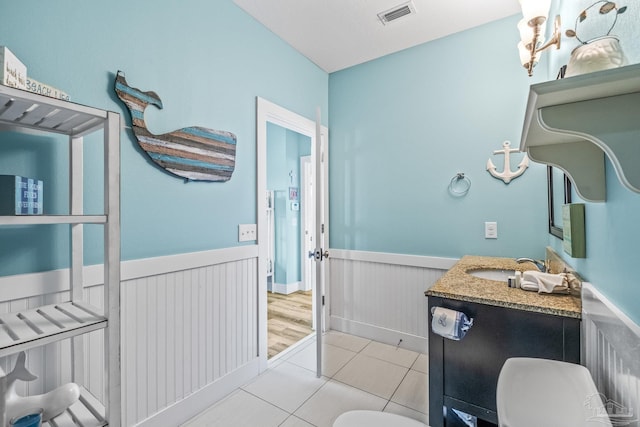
449, 323
544, 282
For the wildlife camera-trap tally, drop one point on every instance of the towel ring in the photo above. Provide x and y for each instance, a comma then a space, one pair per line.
458, 188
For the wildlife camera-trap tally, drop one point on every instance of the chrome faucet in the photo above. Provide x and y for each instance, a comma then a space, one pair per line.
539, 264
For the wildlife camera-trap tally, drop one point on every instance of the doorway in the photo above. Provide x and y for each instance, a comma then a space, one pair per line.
269, 114
290, 213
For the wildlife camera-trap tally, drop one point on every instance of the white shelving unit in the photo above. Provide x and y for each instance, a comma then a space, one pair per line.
572, 123
27, 112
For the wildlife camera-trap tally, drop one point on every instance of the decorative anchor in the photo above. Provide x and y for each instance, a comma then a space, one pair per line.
507, 174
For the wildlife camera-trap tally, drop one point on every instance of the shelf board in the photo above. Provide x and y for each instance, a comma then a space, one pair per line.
52, 219
39, 326
22, 109
86, 412
572, 123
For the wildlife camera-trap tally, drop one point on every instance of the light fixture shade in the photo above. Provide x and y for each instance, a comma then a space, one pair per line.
526, 31
525, 55
534, 8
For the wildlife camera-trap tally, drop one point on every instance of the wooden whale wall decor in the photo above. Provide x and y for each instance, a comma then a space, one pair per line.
194, 153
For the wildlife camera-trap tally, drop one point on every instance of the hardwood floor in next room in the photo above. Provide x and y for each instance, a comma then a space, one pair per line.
289, 319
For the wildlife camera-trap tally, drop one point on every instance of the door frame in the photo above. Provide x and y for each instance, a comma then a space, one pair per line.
268, 112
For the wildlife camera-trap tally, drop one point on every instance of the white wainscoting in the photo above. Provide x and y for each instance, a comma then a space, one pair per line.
381, 296
189, 332
611, 343
190, 322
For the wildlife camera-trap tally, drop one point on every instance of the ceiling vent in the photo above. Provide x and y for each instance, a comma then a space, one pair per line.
397, 12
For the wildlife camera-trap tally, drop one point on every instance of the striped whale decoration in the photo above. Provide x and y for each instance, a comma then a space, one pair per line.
194, 153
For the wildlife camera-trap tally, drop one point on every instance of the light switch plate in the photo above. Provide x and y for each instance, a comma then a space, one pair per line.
247, 232
490, 230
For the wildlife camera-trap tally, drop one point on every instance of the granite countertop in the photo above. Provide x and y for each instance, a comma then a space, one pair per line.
457, 284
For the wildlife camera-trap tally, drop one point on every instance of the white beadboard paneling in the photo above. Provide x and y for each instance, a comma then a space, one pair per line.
189, 322
192, 327
611, 341
383, 291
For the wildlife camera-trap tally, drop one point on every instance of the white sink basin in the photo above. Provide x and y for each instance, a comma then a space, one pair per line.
492, 274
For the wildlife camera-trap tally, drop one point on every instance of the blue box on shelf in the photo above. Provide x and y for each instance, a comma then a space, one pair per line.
20, 195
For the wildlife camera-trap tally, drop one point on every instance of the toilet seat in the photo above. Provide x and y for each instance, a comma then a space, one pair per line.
363, 418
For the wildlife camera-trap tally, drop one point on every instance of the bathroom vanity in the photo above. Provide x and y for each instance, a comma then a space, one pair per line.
508, 322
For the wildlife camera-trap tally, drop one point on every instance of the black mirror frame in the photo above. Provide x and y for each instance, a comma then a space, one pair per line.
553, 228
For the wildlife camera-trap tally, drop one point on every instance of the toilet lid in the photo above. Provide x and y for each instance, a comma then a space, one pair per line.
374, 419
540, 392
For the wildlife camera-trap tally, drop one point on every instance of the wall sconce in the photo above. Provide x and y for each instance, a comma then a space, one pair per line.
532, 28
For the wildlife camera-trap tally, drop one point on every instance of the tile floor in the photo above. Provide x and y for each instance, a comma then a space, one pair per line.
358, 374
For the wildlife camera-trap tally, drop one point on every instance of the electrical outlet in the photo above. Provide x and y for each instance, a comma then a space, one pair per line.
490, 230
247, 232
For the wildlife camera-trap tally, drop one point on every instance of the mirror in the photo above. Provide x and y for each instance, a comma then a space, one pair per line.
559, 193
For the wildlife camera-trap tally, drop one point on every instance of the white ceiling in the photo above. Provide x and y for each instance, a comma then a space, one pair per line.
336, 34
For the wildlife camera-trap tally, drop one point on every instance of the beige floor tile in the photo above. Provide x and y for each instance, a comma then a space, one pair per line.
394, 408
390, 353
421, 364
348, 342
287, 386
294, 421
333, 359
288, 394
372, 375
295, 348
413, 392
333, 399
240, 409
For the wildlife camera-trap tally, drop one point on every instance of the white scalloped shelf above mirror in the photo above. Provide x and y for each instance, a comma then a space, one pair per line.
573, 122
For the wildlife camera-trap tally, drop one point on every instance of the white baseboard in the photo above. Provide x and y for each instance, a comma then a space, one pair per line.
387, 336
286, 289
187, 408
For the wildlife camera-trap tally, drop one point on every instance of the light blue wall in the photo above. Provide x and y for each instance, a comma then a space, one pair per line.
284, 149
404, 125
612, 228
401, 127
277, 178
207, 61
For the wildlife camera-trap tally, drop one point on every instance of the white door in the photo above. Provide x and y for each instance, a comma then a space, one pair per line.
322, 249
268, 112
308, 215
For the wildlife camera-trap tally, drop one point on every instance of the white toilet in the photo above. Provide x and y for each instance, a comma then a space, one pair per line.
531, 393
374, 419
540, 392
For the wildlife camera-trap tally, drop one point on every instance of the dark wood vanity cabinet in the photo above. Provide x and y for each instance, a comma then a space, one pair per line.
464, 374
